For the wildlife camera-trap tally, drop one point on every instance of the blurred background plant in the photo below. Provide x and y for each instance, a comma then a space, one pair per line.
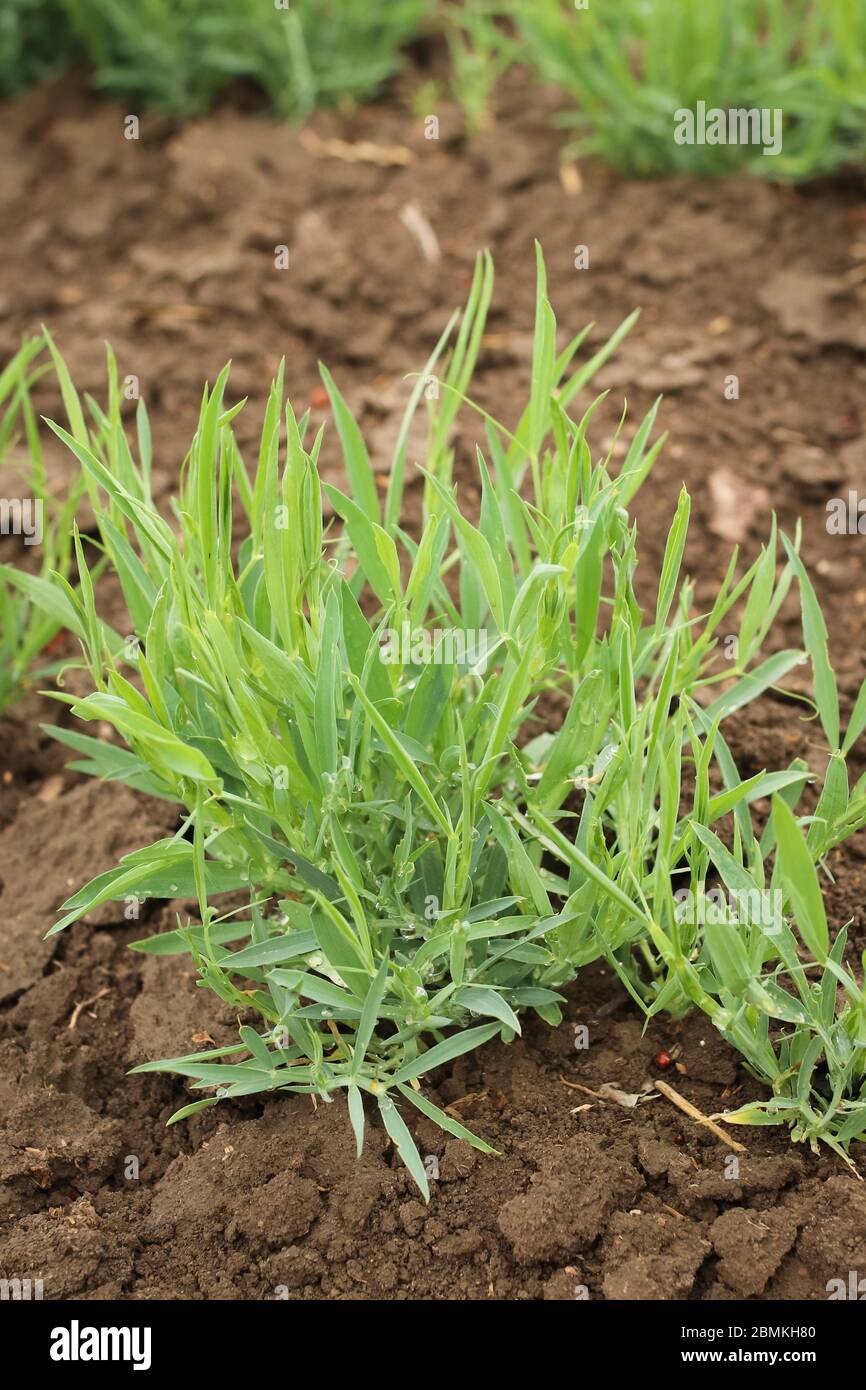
479, 54
36, 41
623, 69
626, 67
177, 55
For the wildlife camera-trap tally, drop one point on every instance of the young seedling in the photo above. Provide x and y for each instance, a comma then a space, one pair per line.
349, 718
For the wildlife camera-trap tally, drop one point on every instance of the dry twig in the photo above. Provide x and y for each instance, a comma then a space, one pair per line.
694, 1114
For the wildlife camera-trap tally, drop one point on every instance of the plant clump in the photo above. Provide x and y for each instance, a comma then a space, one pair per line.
350, 718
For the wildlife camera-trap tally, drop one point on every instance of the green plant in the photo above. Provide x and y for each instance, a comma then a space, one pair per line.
26, 626
754, 953
629, 66
35, 42
177, 55
425, 857
771, 966
478, 58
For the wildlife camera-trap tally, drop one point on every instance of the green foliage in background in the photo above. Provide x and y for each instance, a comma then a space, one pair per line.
36, 41
627, 65
478, 57
426, 855
178, 55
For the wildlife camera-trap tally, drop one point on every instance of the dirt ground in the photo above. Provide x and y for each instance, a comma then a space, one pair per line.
165, 246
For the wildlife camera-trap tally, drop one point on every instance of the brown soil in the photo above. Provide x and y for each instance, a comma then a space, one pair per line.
165, 247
